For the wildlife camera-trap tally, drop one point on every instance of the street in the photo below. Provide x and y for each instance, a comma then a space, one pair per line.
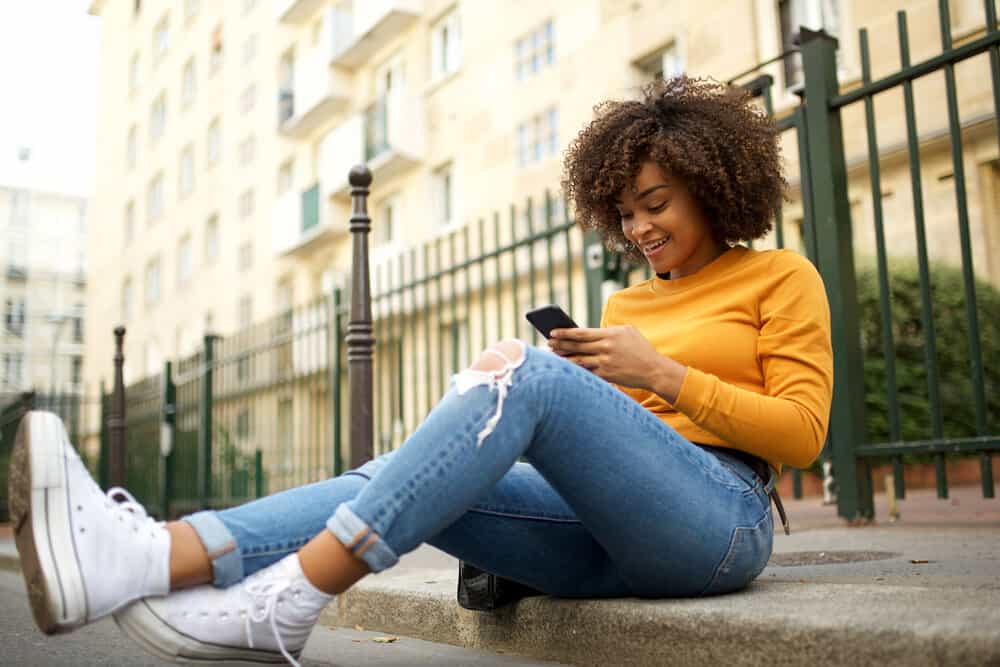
103, 644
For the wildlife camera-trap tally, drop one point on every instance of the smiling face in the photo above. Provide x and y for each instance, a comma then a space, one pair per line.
661, 217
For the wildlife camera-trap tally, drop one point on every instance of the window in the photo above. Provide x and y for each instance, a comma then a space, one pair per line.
136, 8
132, 148
14, 317
246, 204
189, 83
211, 240
538, 137
813, 14
185, 182
134, 74
184, 261
247, 98
444, 195
190, 9
215, 49
76, 370
286, 177
534, 50
446, 46
245, 311
154, 199
245, 259
13, 368
161, 37
78, 324
126, 299
214, 142
153, 281
663, 64
384, 224
158, 117
249, 48
247, 148
129, 226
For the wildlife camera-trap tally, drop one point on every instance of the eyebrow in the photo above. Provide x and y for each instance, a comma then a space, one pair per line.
646, 192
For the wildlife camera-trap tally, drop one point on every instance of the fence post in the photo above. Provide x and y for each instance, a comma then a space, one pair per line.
116, 423
360, 341
604, 272
205, 422
832, 218
167, 439
103, 453
336, 371
258, 474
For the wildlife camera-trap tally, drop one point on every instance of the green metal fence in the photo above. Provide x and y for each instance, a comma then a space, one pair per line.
70, 407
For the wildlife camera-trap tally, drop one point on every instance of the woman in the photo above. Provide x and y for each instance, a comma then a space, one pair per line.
652, 440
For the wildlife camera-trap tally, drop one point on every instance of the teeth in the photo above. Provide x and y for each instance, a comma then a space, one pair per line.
654, 246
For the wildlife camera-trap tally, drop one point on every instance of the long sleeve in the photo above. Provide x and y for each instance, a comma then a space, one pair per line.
786, 423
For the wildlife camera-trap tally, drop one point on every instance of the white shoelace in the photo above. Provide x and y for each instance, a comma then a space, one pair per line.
129, 507
266, 592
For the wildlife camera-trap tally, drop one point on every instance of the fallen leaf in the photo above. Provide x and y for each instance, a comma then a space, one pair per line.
384, 640
359, 628
918, 560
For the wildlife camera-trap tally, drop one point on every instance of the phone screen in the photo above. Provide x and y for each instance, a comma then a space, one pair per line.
550, 317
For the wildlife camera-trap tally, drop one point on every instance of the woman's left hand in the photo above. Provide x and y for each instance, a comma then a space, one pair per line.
621, 355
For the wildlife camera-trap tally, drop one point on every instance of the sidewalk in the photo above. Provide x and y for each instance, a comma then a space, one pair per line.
924, 590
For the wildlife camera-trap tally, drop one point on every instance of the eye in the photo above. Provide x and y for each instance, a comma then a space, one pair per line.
625, 216
656, 208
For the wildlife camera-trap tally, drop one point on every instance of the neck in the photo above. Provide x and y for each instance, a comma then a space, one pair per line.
703, 256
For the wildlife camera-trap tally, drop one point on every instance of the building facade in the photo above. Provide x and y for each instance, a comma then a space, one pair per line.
227, 129
42, 289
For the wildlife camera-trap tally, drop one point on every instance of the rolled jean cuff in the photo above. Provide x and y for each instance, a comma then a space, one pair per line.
221, 547
363, 542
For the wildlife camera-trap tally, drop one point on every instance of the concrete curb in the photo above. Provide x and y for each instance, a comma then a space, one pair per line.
10, 563
771, 623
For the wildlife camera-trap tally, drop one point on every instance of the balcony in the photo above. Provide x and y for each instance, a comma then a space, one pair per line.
388, 136
374, 24
16, 273
301, 222
295, 12
318, 91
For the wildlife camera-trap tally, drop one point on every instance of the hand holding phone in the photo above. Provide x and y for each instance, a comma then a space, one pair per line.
550, 317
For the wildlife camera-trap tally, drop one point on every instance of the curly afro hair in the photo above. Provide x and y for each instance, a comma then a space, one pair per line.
705, 132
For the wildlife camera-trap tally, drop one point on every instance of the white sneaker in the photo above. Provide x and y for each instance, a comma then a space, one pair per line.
83, 554
265, 618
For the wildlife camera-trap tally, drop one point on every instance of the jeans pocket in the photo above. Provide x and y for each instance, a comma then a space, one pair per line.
747, 556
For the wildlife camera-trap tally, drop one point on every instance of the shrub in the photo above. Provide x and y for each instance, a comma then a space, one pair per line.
952, 351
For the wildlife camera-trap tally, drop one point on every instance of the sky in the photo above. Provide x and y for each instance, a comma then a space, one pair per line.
48, 70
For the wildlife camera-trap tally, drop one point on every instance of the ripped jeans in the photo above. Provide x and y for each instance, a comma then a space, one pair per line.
611, 502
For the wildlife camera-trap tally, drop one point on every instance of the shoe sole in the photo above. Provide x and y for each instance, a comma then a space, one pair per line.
160, 639
39, 507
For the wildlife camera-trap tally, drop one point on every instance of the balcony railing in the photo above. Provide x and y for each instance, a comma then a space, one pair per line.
295, 12
318, 90
301, 222
374, 24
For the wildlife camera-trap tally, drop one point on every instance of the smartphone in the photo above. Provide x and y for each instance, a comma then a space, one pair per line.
550, 317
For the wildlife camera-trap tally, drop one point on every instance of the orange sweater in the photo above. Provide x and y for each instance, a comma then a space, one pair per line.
753, 328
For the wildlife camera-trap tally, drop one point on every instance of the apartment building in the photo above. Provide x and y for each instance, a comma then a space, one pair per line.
42, 290
227, 128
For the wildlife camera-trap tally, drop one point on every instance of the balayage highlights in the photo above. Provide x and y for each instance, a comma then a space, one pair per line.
704, 132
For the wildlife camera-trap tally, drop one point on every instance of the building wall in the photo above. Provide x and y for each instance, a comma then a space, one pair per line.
41, 290
468, 119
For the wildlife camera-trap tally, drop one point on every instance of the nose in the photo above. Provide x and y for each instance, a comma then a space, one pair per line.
638, 227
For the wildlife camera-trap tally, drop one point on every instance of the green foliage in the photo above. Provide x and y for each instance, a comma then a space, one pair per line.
910, 343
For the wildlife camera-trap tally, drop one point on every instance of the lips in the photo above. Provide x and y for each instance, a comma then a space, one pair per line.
653, 246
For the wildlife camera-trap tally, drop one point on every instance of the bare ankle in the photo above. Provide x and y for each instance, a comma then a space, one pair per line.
189, 562
329, 565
